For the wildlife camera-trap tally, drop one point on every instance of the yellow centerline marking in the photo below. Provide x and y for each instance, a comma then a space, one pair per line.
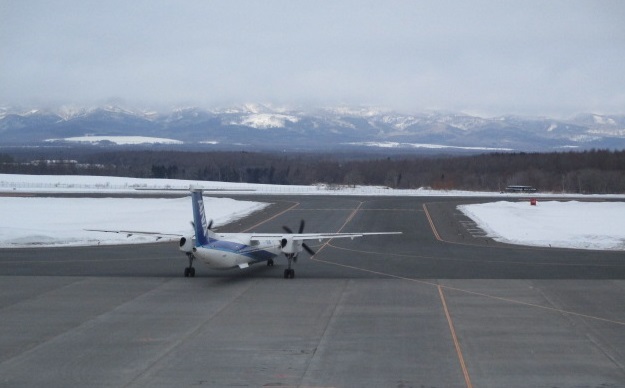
508, 300
440, 288
272, 217
427, 214
358, 208
507, 246
463, 366
553, 309
465, 373
349, 218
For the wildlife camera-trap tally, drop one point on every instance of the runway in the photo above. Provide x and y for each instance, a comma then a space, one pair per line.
438, 306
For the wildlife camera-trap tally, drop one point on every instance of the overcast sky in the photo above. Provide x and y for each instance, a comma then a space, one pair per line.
553, 58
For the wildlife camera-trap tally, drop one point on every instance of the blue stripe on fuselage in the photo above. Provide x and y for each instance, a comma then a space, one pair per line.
253, 253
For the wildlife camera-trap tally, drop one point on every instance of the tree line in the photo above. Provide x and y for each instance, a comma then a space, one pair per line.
593, 171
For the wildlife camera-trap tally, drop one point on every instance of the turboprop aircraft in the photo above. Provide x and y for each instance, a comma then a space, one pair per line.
232, 250
240, 250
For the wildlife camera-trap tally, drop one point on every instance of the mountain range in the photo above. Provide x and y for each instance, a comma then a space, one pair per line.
256, 126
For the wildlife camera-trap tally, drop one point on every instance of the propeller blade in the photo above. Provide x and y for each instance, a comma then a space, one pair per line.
300, 231
307, 248
210, 224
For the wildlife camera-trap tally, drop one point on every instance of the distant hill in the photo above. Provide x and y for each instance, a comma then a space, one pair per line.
257, 126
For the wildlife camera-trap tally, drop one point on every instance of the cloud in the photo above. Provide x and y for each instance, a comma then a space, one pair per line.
500, 57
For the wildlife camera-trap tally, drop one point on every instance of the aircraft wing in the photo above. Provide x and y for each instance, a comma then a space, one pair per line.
129, 233
314, 236
255, 236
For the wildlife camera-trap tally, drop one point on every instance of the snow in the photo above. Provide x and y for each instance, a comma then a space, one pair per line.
42, 221
19, 184
266, 120
584, 138
68, 112
400, 122
121, 140
570, 224
603, 120
608, 132
392, 144
49, 221
16, 183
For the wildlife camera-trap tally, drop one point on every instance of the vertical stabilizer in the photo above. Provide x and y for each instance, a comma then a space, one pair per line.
199, 218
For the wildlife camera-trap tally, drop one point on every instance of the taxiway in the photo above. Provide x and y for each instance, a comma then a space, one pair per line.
438, 306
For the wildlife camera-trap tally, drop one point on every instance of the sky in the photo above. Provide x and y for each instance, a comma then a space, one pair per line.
549, 58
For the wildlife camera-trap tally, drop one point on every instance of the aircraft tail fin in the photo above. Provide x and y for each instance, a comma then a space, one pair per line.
202, 233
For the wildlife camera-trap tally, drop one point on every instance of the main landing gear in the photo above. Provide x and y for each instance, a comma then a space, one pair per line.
189, 272
289, 273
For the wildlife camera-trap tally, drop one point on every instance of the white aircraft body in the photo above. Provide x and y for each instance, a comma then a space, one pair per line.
240, 250
232, 250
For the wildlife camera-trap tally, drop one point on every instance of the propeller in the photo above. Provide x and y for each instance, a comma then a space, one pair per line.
300, 231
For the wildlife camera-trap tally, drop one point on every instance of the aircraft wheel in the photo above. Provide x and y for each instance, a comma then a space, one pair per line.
270, 263
286, 273
192, 272
292, 275
187, 272
289, 273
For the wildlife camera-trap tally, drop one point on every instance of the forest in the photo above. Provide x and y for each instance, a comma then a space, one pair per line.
593, 171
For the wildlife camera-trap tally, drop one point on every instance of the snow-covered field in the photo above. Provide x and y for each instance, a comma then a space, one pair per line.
17, 183
47, 221
120, 140
75, 183
570, 224
393, 144
42, 221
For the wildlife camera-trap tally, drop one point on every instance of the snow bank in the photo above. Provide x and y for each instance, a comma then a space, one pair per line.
60, 221
30, 222
572, 224
17, 183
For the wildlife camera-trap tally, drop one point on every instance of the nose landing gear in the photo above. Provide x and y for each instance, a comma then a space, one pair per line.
289, 273
189, 272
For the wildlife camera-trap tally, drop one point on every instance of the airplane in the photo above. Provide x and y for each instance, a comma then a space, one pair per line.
240, 250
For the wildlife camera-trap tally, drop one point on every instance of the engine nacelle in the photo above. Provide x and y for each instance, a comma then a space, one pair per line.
186, 244
290, 246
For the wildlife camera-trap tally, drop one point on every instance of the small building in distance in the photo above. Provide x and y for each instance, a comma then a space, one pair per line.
520, 189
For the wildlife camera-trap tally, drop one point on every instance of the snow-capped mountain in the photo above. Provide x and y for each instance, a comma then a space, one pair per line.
259, 126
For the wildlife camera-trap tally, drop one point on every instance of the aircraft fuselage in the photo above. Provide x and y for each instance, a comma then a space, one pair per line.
236, 251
